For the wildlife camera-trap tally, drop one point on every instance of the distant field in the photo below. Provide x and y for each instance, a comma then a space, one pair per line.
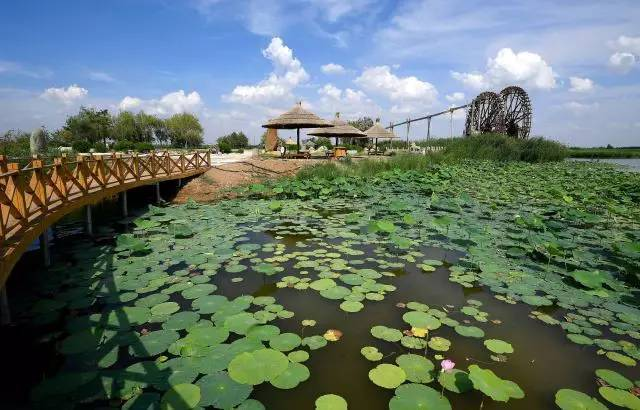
604, 152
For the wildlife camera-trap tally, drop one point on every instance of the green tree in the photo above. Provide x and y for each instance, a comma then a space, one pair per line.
235, 140
184, 130
362, 123
125, 127
90, 125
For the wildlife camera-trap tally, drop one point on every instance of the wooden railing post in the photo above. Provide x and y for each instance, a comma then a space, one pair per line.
18, 196
37, 184
208, 158
182, 162
136, 166
3, 164
100, 173
60, 171
152, 164
83, 174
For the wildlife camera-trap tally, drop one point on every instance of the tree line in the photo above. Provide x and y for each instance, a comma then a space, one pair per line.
97, 129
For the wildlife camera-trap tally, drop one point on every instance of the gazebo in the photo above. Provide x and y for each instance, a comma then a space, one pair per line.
297, 118
339, 129
378, 131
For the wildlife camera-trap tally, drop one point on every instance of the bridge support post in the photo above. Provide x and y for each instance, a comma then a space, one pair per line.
123, 201
5, 314
158, 198
44, 248
179, 182
89, 220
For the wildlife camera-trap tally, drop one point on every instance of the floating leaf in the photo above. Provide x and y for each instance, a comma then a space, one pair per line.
614, 379
417, 396
331, 402
488, 383
371, 353
332, 335
455, 380
417, 368
620, 398
257, 367
387, 376
498, 346
568, 399
181, 397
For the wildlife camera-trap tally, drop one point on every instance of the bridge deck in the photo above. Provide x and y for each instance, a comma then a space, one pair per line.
36, 196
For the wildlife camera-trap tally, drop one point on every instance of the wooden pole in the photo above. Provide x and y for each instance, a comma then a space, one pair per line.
5, 313
158, 197
125, 208
44, 247
89, 221
298, 139
428, 127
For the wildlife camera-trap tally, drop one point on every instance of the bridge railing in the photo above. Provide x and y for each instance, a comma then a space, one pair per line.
29, 194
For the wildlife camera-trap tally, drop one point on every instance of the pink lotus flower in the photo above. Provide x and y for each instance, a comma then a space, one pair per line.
447, 365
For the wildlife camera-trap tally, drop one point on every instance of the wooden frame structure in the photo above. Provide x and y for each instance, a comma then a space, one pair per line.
38, 195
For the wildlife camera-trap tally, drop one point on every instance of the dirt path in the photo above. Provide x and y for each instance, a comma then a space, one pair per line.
216, 183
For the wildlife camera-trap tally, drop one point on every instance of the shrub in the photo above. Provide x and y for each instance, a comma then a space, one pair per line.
499, 147
100, 147
143, 146
224, 146
81, 146
124, 145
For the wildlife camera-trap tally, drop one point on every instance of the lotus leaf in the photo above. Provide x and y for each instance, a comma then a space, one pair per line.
220, 391
619, 397
488, 383
498, 346
181, 397
614, 379
257, 367
455, 380
371, 353
331, 402
387, 375
417, 396
417, 368
294, 374
285, 342
568, 399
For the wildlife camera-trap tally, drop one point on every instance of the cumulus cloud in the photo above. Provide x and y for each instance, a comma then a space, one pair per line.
173, 103
508, 67
332, 68
67, 95
349, 102
581, 85
406, 93
287, 74
626, 44
455, 97
623, 62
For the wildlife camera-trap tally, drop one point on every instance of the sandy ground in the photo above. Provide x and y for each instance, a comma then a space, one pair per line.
229, 172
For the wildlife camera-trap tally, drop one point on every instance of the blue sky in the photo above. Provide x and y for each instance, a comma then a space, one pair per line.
236, 63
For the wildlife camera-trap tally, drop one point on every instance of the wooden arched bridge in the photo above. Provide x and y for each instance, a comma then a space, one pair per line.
36, 196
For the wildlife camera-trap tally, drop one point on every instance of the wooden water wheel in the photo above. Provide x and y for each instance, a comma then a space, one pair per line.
517, 112
485, 114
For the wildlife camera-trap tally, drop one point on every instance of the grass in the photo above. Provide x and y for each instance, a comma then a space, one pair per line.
630, 152
486, 147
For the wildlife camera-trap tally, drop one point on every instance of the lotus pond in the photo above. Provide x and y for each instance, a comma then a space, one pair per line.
471, 285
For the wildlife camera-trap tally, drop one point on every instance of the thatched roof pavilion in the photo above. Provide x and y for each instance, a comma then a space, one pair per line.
339, 129
297, 118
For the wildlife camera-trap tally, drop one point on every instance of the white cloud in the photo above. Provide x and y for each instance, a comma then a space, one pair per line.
333, 10
523, 68
11, 67
622, 62
581, 85
173, 103
101, 76
65, 95
455, 97
406, 93
349, 102
332, 68
578, 108
626, 44
287, 74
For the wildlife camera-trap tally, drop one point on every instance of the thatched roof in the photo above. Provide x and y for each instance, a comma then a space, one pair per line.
378, 131
340, 128
297, 117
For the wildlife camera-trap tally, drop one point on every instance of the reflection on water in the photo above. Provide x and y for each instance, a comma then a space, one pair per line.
631, 164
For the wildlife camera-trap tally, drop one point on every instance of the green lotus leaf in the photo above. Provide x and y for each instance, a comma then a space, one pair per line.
153, 343
579, 339
292, 376
181, 397
498, 346
488, 383
439, 343
322, 284
620, 358
469, 331
411, 342
209, 304
220, 391
165, 309
285, 342
314, 342
207, 336
536, 300
614, 379
417, 368
619, 397
82, 341
331, 402
263, 332
589, 279
335, 293
417, 396
298, 356
386, 333
257, 367
568, 399
455, 380
250, 404
371, 353
352, 307
421, 320
240, 323
387, 375
198, 291
143, 401
181, 320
